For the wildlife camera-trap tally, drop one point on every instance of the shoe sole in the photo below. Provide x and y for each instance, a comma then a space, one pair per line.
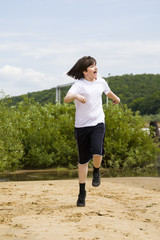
80, 205
96, 184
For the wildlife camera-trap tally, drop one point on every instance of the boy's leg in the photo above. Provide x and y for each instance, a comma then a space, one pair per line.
97, 140
83, 171
97, 159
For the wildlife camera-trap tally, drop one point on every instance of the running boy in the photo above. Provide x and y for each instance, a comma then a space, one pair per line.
89, 119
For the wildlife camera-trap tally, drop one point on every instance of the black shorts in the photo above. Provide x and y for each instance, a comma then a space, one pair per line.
90, 142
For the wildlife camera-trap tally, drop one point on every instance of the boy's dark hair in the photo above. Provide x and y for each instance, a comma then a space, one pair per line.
81, 65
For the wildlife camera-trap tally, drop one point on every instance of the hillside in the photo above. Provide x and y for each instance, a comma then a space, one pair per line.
140, 92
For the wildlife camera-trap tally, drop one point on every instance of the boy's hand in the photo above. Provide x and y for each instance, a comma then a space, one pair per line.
116, 101
81, 98
70, 97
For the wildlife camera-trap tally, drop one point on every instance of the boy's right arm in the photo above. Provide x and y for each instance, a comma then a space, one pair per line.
113, 96
70, 97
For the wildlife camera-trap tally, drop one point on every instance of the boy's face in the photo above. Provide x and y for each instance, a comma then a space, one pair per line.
91, 73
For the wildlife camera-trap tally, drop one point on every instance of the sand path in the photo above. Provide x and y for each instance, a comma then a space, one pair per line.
120, 209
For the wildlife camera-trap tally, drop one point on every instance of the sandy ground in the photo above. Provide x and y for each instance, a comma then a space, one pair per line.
120, 209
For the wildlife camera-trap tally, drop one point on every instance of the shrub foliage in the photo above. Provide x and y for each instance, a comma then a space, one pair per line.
33, 136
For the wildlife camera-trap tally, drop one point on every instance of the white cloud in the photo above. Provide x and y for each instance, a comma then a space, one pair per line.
109, 48
12, 73
113, 50
16, 81
9, 72
115, 57
14, 34
14, 46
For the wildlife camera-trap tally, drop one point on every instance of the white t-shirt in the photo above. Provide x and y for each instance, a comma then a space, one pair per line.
89, 113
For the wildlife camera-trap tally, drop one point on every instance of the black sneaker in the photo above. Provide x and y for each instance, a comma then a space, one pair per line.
96, 179
81, 200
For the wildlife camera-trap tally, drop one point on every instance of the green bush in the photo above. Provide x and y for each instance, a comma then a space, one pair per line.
36, 136
127, 145
47, 135
11, 147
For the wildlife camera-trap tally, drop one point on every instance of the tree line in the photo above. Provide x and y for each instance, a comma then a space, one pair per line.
140, 92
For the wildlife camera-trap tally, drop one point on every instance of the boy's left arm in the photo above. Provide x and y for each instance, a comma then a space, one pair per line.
113, 96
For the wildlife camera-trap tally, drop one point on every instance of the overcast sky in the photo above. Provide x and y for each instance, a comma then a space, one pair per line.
40, 40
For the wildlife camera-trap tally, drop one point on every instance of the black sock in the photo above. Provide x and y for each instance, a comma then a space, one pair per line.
95, 170
82, 188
